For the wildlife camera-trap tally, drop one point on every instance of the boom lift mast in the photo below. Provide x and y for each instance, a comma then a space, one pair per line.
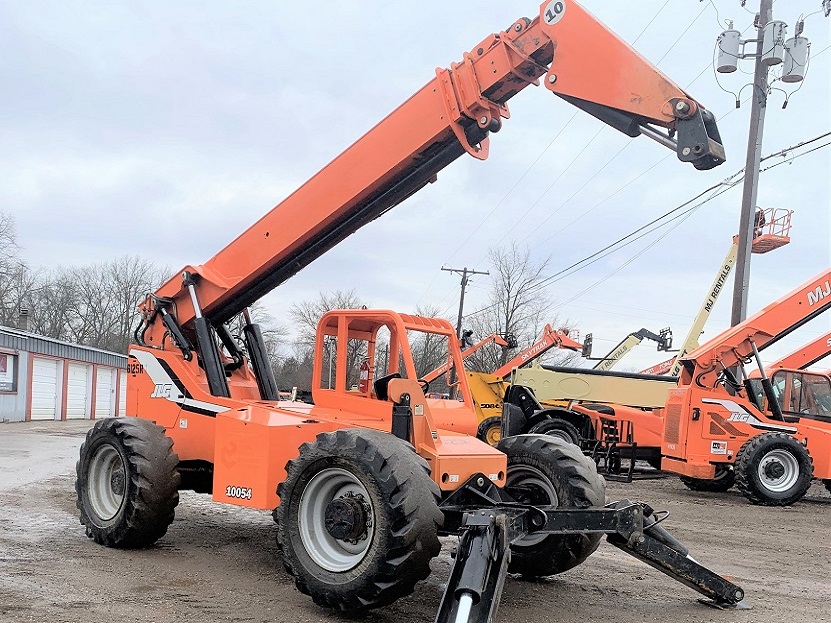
363, 481
664, 340
772, 231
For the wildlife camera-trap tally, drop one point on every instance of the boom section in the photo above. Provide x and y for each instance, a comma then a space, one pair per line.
550, 338
735, 346
806, 355
451, 115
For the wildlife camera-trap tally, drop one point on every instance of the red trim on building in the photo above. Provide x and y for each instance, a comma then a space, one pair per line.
65, 388
94, 392
31, 365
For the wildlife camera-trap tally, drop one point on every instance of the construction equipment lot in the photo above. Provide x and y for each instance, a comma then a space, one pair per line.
220, 563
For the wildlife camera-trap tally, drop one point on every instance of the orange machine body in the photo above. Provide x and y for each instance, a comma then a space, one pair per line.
248, 441
705, 425
220, 401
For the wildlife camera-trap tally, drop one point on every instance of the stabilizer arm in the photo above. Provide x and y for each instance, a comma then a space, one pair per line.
478, 574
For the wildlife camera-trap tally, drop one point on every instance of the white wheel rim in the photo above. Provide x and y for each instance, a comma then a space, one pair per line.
772, 461
325, 550
106, 482
535, 480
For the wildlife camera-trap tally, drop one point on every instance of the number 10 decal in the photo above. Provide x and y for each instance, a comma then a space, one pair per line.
554, 12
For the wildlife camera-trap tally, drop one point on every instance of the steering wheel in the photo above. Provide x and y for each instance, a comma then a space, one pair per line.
425, 385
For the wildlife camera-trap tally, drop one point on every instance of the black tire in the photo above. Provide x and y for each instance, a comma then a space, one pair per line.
654, 462
398, 514
490, 430
558, 428
827, 484
127, 482
542, 464
772, 453
724, 480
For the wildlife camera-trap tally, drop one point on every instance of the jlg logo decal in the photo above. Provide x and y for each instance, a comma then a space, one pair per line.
164, 391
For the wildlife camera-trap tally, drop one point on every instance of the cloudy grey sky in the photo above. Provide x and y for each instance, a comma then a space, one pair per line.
166, 128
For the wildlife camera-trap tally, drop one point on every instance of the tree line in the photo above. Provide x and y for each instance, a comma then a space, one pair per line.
96, 305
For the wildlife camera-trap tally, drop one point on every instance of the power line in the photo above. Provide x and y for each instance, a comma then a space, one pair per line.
726, 185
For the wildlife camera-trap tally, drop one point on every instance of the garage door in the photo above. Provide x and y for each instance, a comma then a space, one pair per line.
77, 391
104, 392
122, 393
44, 389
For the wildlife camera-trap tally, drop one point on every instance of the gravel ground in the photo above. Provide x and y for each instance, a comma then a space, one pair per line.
220, 563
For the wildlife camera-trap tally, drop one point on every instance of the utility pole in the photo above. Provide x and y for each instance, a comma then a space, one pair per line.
464, 272
758, 108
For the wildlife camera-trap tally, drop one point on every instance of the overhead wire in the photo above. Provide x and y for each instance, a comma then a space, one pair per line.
451, 293
721, 188
509, 193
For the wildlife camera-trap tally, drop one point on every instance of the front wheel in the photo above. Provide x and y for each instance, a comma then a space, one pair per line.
490, 430
723, 481
558, 428
545, 471
773, 469
358, 519
127, 482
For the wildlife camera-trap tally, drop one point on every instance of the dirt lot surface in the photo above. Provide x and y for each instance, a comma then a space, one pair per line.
219, 563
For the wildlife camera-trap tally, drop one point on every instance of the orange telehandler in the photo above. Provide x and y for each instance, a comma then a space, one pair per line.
364, 481
771, 438
507, 342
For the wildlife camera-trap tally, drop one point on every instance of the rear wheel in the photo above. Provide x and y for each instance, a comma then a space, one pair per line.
724, 480
547, 471
557, 428
827, 484
490, 430
358, 519
127, 482
773, 469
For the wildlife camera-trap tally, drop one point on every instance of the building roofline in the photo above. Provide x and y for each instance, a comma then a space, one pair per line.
27, 335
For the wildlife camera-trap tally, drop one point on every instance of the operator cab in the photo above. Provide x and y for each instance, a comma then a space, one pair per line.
359, 351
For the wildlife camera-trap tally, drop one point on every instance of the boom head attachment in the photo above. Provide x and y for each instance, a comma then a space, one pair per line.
600, 73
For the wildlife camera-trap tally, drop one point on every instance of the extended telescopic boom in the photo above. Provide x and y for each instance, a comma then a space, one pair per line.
578, 58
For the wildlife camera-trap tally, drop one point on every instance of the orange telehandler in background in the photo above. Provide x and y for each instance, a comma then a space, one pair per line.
772, 438
507, 342
806, 355
364, 481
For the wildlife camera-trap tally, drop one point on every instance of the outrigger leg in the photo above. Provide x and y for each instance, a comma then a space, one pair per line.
488, 529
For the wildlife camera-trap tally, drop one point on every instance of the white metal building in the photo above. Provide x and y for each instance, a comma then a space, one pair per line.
46, 379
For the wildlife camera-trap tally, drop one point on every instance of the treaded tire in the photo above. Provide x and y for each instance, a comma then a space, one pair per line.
751, 455
405, 519
827, 484
575, 482
490, 430
131, 503
558, 428
724, 481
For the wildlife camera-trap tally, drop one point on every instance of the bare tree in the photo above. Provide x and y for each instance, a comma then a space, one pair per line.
307, 314
518, 304
429, 350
